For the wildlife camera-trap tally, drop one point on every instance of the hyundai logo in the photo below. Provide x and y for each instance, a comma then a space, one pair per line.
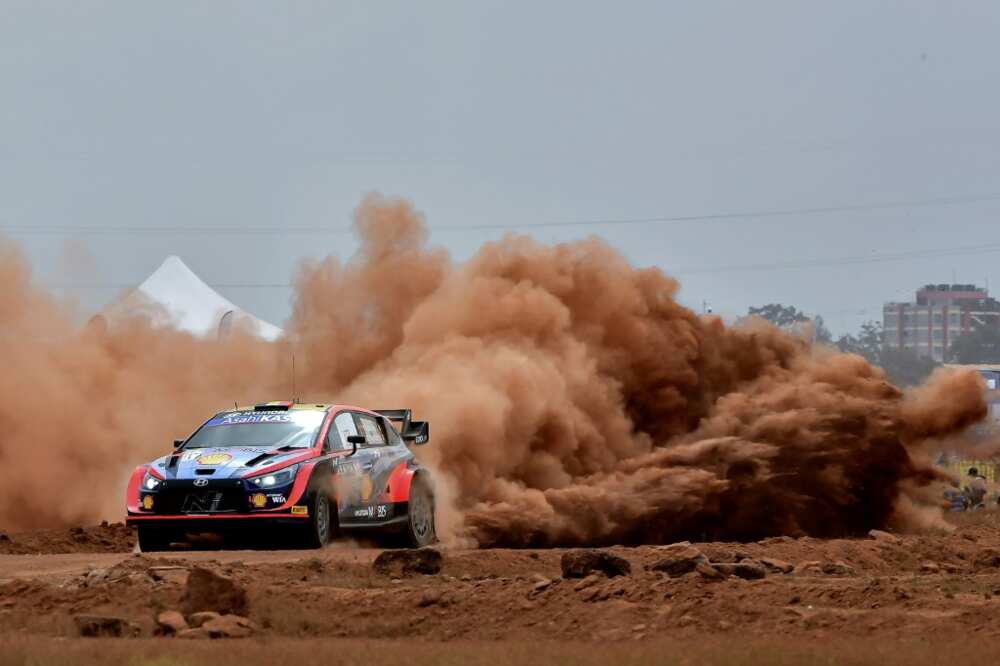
201, 482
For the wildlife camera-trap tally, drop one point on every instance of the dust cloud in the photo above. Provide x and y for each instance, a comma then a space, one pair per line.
82, 405
572, 399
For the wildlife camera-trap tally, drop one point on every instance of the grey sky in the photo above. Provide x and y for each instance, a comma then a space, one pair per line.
252, 114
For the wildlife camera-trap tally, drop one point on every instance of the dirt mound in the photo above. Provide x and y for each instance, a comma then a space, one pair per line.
103, 538
206, 590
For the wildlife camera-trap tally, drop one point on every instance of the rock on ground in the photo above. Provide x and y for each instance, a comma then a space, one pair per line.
407, 562
99, 626
679, 559
208, 591
221, 626
988, 558
885, 537
816, 567
709, 572
583, 562
777, 566
198, 619
170, 622
748, 569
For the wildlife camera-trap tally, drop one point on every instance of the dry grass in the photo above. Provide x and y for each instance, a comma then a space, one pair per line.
720, 650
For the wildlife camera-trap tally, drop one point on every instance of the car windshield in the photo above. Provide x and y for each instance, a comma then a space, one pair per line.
292, 429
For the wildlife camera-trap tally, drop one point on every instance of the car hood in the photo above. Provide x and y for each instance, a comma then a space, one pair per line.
224, 462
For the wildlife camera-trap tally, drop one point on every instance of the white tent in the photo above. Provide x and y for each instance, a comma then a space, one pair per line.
174, 296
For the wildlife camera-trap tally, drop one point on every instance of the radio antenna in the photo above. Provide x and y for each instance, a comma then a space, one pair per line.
294, 399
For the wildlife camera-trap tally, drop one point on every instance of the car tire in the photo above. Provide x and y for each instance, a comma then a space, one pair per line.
153, 539
320, 525
419, 529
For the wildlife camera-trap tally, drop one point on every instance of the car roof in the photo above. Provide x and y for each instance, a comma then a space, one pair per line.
298, 406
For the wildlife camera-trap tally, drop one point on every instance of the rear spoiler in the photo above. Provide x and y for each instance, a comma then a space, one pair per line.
413, 432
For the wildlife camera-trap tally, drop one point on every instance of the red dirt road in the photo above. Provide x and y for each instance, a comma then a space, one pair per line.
898, 588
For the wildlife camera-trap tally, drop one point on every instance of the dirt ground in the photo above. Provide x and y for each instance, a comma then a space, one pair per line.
885, 598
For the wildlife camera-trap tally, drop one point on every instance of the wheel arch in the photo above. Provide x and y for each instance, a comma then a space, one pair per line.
401, 481
322, 478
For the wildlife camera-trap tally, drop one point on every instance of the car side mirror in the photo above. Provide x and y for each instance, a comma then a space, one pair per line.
178, 443
354, 440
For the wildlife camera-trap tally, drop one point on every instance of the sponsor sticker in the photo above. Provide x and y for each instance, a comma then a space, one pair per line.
366, 487
147, 502
300, 511
259, 500
381, 510
214, 459
348, 468
365, 512
236, 418
277, 499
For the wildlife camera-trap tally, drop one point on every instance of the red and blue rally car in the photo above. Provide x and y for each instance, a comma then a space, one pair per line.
304, 470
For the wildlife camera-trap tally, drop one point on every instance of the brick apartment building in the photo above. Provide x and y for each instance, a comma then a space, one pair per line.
940, 314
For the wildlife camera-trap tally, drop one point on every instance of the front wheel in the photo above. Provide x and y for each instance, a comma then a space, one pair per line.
319, 526
420, 517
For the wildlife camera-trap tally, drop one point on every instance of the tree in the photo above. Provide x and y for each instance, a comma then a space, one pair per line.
781, 316
821, 333
869, 342
903, 367
980, 345
791, 318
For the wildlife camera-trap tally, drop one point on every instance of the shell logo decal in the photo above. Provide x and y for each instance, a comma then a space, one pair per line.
214, 459
366, 487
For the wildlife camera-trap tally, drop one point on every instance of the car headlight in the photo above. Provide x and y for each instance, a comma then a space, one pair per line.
150, 482
280, 478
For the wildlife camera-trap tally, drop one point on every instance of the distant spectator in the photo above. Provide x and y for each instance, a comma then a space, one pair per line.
975, 489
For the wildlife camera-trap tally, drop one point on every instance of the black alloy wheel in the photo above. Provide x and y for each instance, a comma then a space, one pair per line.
420, 519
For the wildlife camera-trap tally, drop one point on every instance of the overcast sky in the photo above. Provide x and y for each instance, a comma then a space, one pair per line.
235, 115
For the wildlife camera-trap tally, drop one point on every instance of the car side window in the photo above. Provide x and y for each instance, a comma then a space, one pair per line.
394, 438
371, 430
343, 426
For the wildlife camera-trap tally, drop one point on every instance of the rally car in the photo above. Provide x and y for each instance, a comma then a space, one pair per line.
284, 470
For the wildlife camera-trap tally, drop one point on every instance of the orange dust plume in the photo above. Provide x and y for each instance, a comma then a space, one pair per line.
572, 399
81, 407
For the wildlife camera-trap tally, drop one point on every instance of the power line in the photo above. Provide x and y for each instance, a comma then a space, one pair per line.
56, 229
133, 285
989, 248
846, 261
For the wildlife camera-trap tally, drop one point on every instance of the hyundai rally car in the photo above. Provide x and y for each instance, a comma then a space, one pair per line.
283, 468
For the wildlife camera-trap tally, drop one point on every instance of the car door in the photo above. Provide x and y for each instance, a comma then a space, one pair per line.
372, 461
352, 471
